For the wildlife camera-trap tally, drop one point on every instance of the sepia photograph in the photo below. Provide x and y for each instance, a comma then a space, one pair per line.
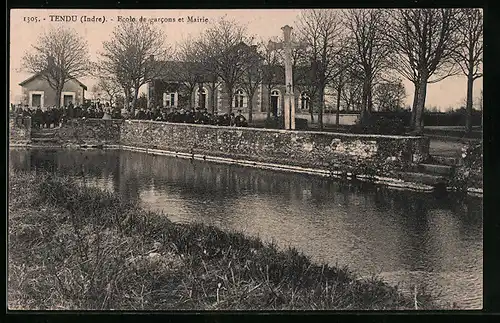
245, 159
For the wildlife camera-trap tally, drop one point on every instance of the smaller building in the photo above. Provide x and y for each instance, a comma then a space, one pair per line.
36, 91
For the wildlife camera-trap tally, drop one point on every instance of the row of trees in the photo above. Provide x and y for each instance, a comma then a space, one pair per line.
423, 45
361, 53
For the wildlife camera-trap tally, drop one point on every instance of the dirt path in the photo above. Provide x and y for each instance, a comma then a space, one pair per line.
445, 148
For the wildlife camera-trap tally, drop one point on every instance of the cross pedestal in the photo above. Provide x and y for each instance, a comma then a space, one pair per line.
289, 110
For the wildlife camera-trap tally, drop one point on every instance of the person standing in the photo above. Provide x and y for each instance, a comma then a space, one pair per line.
107, 114
240, 120
71, 111
232, 120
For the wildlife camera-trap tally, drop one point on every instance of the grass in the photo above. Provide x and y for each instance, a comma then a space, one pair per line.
76, 247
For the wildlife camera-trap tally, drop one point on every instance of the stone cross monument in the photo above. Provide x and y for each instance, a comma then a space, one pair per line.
289, 104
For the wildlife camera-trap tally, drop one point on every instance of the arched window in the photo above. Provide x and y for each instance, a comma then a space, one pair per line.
304, 101
239, 99
275, 102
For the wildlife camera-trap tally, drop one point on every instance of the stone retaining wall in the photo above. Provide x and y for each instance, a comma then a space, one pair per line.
90, 132
298, 148
19, 130
355, 153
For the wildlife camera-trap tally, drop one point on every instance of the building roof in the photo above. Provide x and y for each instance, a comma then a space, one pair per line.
31, 78
174, 72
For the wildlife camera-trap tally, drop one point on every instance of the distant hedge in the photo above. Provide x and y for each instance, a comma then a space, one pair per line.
456, 118
300, 123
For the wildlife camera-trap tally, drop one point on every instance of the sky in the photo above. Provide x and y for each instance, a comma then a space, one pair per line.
28, 24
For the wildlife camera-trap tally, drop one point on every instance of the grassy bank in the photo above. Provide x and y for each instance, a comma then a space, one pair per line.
77, 247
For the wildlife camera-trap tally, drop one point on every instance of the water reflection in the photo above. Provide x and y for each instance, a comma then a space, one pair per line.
403, 236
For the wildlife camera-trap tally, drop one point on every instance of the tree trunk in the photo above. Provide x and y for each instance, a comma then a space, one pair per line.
311, 108
369, 100
126, 103
229, 99
58, 96
364, 101
214, 97
191, 97
414, 107
250, 109
481, 106
321, 107
339, 92
200, 96
419, 127
134, 98
269, 103
468, 108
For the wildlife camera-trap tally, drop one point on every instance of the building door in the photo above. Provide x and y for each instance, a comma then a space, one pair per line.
36, 100
201, 95
67, 99
203, 100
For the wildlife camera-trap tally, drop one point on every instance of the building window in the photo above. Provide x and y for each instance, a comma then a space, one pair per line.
304, 101
239, 99
67, 98
169, 99
36, 99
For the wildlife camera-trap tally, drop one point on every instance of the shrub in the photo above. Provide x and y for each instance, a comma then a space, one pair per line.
300, 124
278, 123
381, 126
273, 123
470, 170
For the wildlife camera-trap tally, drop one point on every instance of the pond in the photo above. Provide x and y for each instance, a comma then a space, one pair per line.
407, 238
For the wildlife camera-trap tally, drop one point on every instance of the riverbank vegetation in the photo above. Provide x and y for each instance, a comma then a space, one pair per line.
77, 247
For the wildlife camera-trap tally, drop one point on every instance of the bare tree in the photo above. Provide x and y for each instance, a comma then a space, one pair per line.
469, 55
60, 55
389, 95
110, 87
304, 79
252, 76
271, 69
370, 47
320, 30
425, 41
190, 66
481, 100
351, 94
223, 46
481, 106
209, 72
343, 65
136, 54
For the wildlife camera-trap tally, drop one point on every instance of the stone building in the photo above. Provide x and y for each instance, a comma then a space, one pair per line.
36, 91
173, 89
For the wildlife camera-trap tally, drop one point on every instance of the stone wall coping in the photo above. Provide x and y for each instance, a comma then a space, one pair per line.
101, 119
333, 134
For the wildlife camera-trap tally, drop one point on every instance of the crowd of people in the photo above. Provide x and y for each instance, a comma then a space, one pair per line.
54, 117
198, 116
